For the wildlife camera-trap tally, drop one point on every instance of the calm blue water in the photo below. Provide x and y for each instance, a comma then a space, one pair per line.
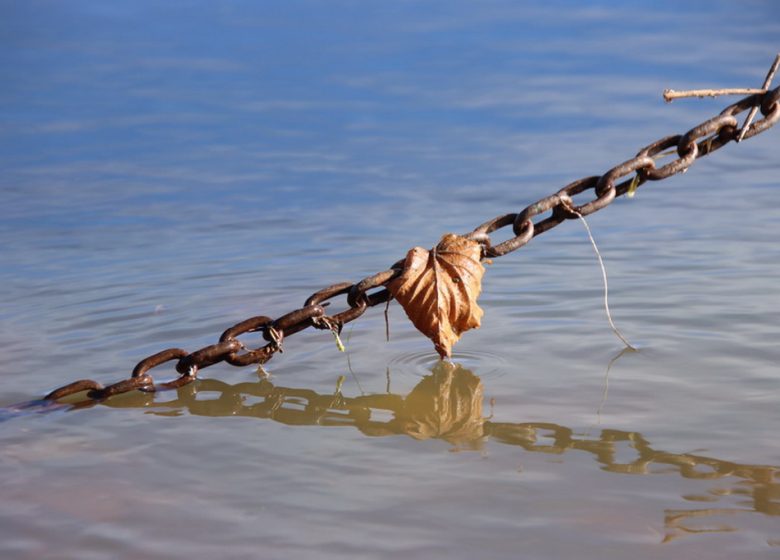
169, 169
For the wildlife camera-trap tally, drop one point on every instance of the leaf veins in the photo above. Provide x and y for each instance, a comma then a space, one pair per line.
438, 290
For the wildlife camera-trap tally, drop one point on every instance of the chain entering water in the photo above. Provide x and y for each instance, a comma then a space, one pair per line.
701, 140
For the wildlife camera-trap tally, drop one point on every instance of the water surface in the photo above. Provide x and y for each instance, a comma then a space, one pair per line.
169, 170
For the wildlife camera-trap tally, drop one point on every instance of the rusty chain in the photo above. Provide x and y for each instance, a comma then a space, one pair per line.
699, 141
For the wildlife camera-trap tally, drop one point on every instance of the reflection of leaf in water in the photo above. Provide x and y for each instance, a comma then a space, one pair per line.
446, 404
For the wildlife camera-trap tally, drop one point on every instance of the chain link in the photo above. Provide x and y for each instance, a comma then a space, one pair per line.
699, 141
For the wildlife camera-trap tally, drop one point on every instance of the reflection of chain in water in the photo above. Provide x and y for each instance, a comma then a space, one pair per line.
447, 404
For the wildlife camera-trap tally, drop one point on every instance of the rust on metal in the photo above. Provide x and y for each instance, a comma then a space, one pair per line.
699, 141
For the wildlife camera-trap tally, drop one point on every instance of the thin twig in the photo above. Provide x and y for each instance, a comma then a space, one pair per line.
670, 94
767, 82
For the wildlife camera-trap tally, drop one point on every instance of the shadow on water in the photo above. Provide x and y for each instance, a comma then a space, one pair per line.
447, 405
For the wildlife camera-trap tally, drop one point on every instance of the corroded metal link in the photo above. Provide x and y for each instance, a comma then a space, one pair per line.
189, 373
605, 186
144, 381
258, 355
701, 140
708, 128
602, 201
548, 223
180, 381
539, 207
638, 165
326, 293
769, 103
157, 359
522, 226
380, 297
563, 211
253, 324
522, 236
673, 167
607, 181
73, 388
207, 356
336, 290
295, 321
358, 292
770, 108
746, 103
492, 225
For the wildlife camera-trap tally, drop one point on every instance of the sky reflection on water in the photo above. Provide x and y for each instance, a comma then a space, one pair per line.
172, 168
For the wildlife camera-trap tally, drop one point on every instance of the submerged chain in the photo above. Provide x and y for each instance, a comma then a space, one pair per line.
701, 140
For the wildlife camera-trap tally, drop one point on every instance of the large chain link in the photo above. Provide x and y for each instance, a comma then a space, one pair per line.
701, 140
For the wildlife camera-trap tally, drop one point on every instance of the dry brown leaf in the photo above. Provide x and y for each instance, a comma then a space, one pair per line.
439, 288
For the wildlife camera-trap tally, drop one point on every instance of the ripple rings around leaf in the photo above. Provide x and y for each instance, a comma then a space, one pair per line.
484, 364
